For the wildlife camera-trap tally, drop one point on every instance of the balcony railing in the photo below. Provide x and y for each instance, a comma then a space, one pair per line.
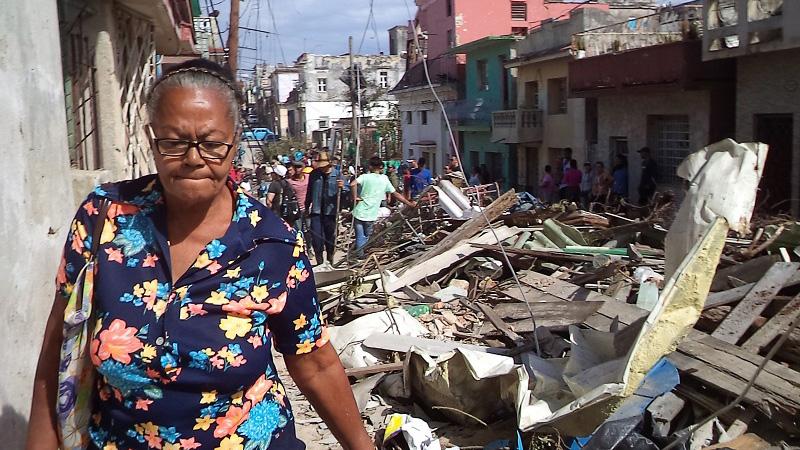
517, 126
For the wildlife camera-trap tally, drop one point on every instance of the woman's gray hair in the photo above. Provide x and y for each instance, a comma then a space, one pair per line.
197, 74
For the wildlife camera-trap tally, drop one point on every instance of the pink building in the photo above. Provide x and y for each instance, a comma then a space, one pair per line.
448, 23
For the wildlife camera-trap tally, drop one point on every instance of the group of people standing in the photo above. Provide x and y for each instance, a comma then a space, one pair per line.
595, 183
309, 189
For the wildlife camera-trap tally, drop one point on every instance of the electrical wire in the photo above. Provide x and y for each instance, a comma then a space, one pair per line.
506, 259
772, 351
275, 29
366, 27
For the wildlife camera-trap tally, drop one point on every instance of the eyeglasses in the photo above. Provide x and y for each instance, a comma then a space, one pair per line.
213, 150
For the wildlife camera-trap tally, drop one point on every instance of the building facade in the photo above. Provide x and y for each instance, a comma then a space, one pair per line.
439, 26
547, 121
110, 57
653, 89
766, 49
489, 86
323, 94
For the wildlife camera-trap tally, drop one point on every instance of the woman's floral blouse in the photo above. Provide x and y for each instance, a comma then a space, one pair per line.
186, 364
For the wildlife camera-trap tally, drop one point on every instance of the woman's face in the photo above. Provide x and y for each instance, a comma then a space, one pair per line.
196, 115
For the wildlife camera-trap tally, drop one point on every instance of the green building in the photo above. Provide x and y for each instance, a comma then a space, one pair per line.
489, 87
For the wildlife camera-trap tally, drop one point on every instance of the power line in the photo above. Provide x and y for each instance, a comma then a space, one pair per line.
506, 259
275, 29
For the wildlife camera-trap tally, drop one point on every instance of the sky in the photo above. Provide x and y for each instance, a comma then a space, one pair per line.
314, 26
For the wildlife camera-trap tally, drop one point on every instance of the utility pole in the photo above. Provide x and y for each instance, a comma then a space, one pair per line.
233, 39
353, 98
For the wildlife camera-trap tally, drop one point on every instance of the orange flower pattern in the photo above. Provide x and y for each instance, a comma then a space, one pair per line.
187, 364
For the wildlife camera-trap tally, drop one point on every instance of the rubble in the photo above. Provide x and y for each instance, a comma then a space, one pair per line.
435, 326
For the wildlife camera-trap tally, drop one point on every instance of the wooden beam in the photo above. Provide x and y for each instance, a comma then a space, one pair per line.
359, 372
555, 255
739, 320
775, 326
498, 323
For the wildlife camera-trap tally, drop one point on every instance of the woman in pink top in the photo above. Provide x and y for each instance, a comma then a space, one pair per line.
299, 182
547, 186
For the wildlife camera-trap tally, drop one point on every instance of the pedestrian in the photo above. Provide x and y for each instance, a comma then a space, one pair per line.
586, 185
275, 190
619, 187
393, 178
547, 185
324, 186
368, 191
420, 178
454, 165
186, 302
572, 178
647, 182
563, 168
601, 185
475, 177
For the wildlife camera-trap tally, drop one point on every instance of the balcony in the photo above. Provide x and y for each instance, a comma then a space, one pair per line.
741, 27
517, 126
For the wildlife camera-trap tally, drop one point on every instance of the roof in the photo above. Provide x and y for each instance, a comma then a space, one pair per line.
548, 53
482, 42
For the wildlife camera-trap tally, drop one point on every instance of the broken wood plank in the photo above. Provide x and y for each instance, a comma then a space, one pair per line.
739, 320
555, 255
498, 323
445, 260
596, 275
608, 233
775, 326
750, 271
403, 344
560, 288
736, 294
554, 314
359, 372
473, 226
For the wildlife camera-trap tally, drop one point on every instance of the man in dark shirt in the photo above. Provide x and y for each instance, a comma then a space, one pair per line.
647, 184
324, 184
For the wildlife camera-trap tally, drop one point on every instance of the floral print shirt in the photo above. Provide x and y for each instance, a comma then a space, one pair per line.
186, 364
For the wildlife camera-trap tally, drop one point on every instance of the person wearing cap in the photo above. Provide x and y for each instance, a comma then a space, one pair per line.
275, 191
324, 184
647, 183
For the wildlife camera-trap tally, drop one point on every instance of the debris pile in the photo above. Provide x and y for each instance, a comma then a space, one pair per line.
609, 332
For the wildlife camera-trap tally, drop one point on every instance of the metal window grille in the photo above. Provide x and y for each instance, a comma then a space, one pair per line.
519, 11
670, 144
322, 85
136, 60
383, 80
79, 88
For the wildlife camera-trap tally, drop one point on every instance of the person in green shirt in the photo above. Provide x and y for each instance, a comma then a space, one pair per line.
368, 191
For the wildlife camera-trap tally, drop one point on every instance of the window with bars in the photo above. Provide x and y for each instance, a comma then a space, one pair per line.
383, 79
519, 11
322, 85
669, 141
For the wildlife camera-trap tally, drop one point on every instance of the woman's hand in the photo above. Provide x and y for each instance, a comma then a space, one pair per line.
42, 431
320, 376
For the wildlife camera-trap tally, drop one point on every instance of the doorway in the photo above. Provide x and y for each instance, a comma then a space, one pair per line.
775, 190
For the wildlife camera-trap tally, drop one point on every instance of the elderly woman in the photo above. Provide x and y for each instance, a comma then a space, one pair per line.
195, 280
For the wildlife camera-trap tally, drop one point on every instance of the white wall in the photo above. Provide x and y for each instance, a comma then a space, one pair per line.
333, 111
286, 81
35, 198
435, 130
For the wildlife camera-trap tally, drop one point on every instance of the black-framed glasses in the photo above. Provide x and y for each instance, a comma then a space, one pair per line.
180, 147
213, 150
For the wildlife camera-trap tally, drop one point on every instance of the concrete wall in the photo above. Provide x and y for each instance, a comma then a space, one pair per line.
35, 198
626, 115
769, 83
333, 68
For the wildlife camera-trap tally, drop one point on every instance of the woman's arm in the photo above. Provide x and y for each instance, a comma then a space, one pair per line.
320, 376
42, 434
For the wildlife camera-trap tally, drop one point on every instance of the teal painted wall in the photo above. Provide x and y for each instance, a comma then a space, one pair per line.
477, 146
